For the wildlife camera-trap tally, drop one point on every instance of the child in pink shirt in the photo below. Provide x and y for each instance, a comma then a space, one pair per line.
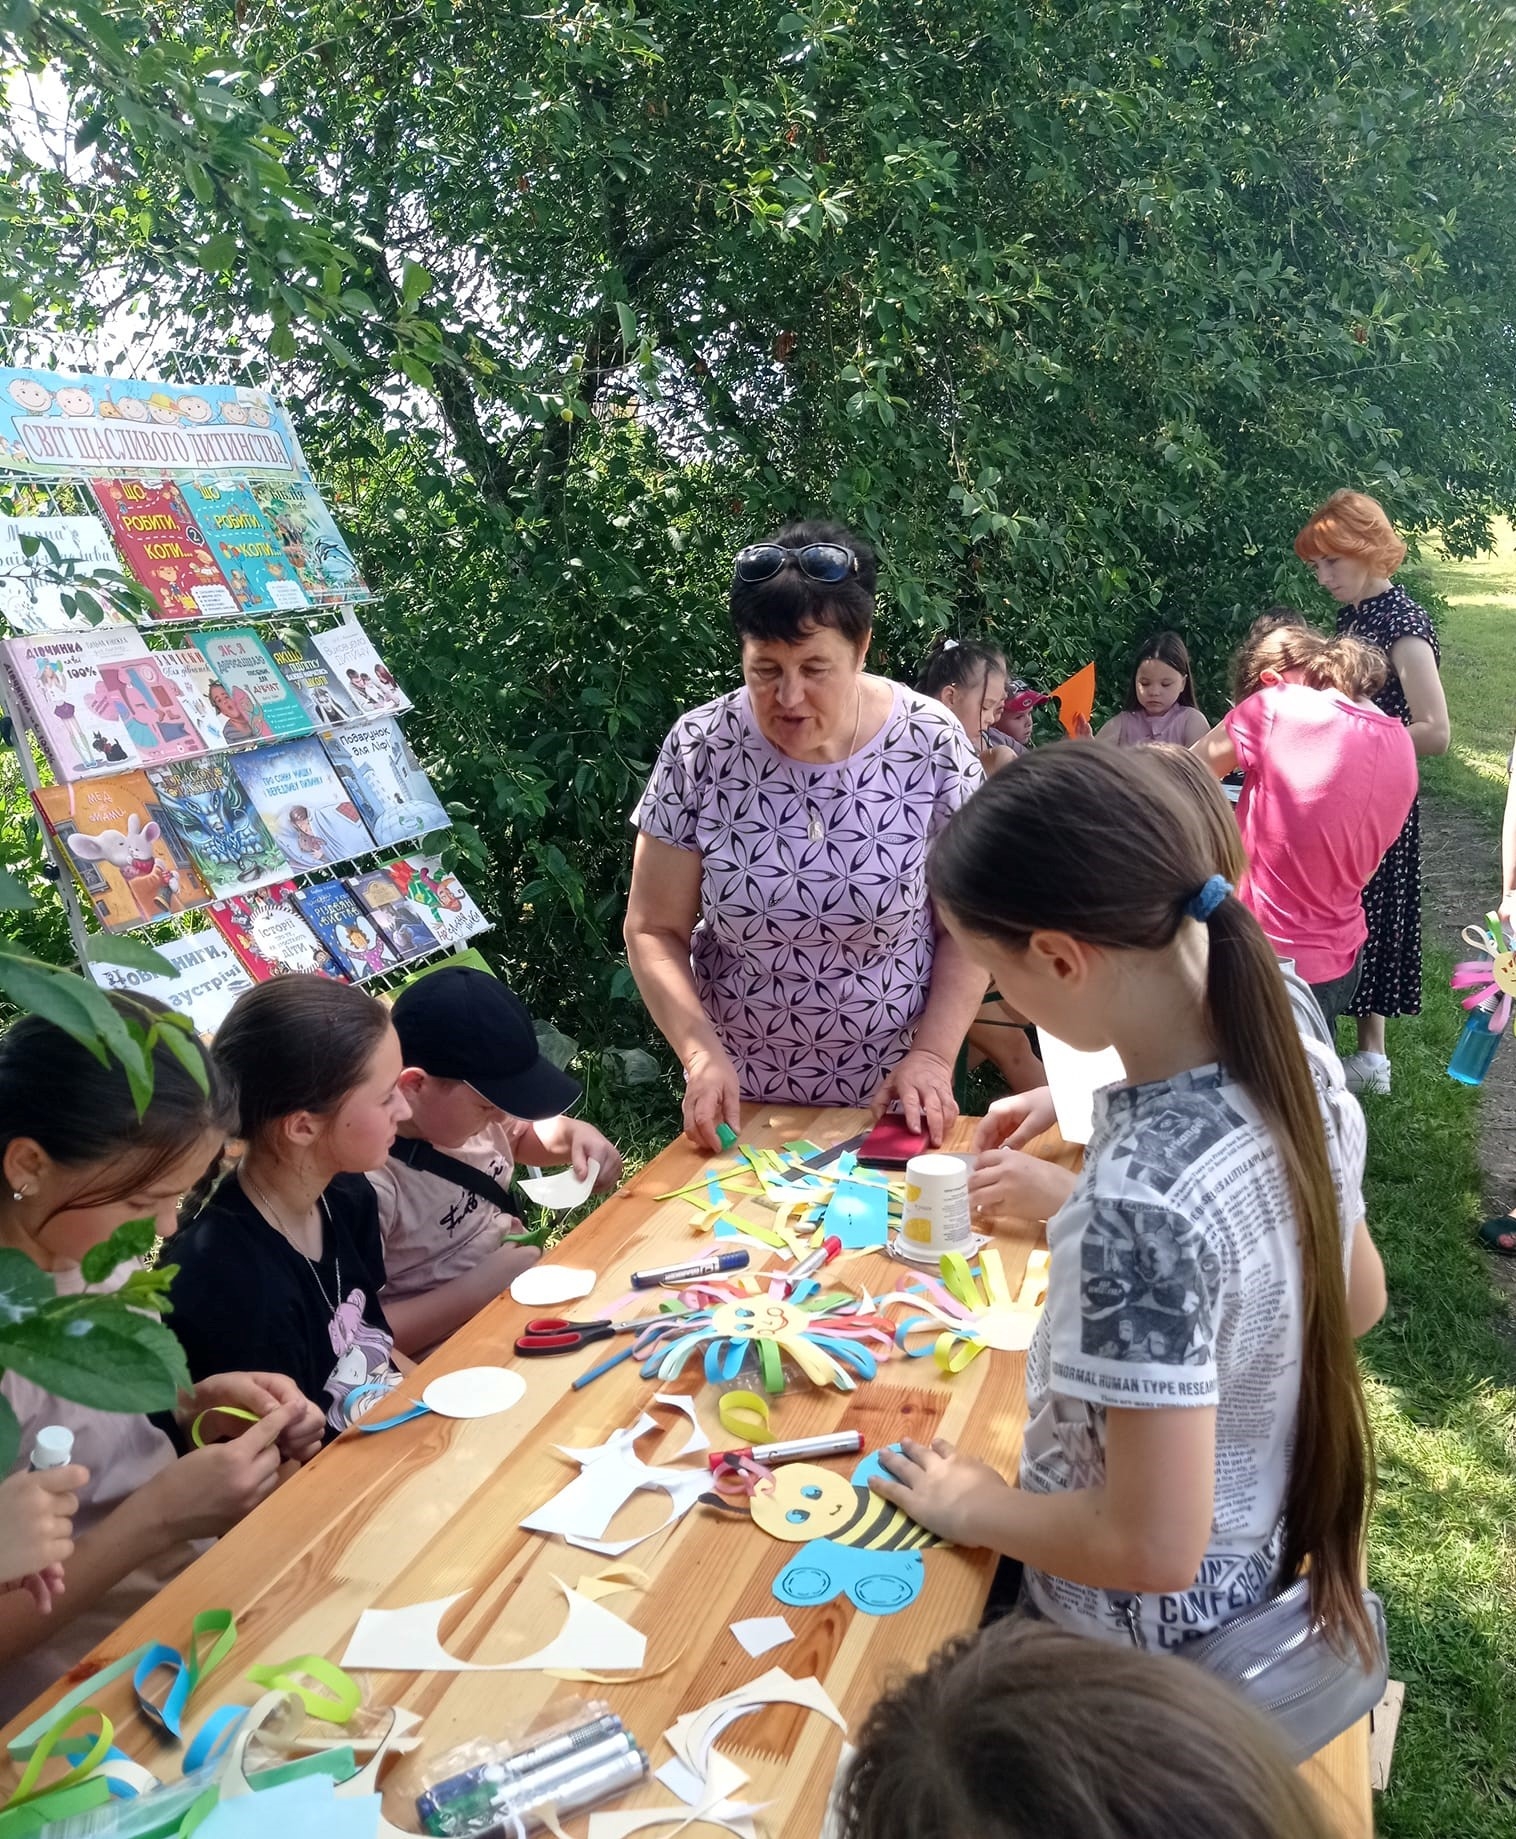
1330, 779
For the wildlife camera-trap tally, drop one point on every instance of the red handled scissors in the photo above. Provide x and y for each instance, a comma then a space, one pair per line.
555, 1334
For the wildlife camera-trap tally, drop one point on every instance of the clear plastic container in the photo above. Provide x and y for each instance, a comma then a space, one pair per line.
1477, 1047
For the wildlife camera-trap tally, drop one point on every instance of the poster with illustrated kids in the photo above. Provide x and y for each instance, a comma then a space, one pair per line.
123, 849
164, 549
57, 424
261, 575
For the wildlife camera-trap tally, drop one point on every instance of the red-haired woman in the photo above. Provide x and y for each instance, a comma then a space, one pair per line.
1351, 547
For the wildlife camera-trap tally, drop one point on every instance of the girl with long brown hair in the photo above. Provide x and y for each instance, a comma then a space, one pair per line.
1196, 1429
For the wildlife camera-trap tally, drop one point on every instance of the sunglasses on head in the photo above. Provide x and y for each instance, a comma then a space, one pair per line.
817, 561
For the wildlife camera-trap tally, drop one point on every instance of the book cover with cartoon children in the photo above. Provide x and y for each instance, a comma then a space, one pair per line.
99, 702
123, 850
164, 548
401, 921
257, 697
322, 561
218, 824
261, 576
309, 812
310, 676
204, 697
359, 670
449, 910
45, 560
351, 936
270, 937
386, 781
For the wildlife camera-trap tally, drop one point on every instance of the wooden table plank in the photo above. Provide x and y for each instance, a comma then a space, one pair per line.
432, 1508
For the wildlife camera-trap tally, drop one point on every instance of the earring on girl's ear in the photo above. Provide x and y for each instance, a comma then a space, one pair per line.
18, 1193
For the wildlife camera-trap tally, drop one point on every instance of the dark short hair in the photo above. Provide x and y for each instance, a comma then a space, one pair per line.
790, 606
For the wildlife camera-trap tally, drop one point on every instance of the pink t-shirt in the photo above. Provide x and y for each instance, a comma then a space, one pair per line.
1329, 784
1180, 725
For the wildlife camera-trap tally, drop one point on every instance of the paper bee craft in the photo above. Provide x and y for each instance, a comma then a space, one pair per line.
856, 1543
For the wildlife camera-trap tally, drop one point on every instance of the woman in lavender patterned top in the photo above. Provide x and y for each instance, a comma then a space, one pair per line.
779, 926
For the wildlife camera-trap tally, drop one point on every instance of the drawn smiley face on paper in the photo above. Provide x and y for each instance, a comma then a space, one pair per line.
805, 1502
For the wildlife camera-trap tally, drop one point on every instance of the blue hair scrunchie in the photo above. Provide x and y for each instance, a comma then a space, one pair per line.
1207, 898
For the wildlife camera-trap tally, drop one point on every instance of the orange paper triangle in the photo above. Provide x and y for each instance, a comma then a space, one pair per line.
1076, 697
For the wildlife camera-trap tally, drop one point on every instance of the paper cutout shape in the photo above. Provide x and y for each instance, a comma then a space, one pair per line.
1074, 1077
823, 1333
474, 1392
1076, 697
858, 1214
692, 1737
760, 1633
305, 1809
698, 1440
857, 1544
542, 1286
610, 1474
562, 1190
707, 1801
408, 1641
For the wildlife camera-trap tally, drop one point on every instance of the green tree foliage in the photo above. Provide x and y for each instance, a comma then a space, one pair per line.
1075, 310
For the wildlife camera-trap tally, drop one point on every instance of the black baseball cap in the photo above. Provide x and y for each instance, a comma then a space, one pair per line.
456, 1023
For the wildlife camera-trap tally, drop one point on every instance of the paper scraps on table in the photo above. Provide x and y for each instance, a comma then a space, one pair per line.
1074, 1077
760, 1633
543, 1286
562, 1190
693, 1736
1075, 697
470, 1392
610, 1474
707, 1802
409, 1640
858, 1215
697, 1439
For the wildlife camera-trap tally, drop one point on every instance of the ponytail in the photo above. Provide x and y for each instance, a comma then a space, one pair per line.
952, 663
1109, 850
1350, 667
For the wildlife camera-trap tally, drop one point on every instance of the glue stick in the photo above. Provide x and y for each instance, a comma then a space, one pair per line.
53, 1448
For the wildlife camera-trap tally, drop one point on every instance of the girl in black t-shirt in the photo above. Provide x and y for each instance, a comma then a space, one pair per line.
285, 1257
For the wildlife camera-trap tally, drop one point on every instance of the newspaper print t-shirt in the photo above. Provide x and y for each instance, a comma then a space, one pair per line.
1175, 1282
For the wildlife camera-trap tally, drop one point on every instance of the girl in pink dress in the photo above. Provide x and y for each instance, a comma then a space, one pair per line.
1160, 700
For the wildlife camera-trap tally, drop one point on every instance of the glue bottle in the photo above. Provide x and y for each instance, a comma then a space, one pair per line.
53, 1448
1476, 1047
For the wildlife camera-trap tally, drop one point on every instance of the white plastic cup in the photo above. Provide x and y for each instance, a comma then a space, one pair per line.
935, 1218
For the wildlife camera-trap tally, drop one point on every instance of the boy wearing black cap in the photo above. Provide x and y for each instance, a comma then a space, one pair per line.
482, 1098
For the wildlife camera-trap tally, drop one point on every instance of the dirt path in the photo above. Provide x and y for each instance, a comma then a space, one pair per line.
1460, 877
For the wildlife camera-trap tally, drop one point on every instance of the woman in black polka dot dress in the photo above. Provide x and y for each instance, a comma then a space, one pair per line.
1353, 549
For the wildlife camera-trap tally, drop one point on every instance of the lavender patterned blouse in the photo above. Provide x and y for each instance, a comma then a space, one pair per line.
813, 953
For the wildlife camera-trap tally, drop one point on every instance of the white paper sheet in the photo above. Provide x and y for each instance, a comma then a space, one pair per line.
693, 1736
707, 1801
610, 1474
474, 1392
698, 1440
760, 1633
1073, 1079
543, 1286
408, 1641
562, 1190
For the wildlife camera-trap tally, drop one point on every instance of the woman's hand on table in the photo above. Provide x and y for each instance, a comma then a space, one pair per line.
941, 1489
712, 1096
1013, 1122
923, 1083
261, 1394
1009, 1181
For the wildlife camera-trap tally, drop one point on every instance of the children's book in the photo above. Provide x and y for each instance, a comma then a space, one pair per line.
261, 576
309, 675
99, 702
257, 697
342, 926
309, 812
69, 552
203, 697
217, 823
125, 853
322, 562
386, 781
449, 911
401, 921
270, 937
164, 549
210, 979
358, 668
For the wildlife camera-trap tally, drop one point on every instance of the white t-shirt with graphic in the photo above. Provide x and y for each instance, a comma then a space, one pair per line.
1175, 1281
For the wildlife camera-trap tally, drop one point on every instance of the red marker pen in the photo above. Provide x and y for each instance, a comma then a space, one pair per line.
813, 1261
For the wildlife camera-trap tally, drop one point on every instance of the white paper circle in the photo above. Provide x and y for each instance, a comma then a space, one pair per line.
474, 1392
542, 1285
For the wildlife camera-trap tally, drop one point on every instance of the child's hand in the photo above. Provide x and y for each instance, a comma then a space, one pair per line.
37, 1511
259, 1393
204, 1493
586, 1145
1014, 1121
1082, 729
940, 1489
1008, 1181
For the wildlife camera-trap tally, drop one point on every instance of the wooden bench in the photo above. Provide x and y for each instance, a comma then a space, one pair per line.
1340, 1775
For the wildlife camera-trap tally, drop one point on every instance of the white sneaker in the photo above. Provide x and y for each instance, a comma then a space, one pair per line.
1366, 1072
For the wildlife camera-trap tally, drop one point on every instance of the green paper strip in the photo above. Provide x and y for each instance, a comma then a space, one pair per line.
57, 1804
27, 1789
25, 1741
226, 1411
336, 1704
770, 1365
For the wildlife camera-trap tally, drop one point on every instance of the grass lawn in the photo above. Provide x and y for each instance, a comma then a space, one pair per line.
1479, 672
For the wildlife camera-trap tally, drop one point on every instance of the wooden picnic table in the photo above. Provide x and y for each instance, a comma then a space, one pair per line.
431, 1509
